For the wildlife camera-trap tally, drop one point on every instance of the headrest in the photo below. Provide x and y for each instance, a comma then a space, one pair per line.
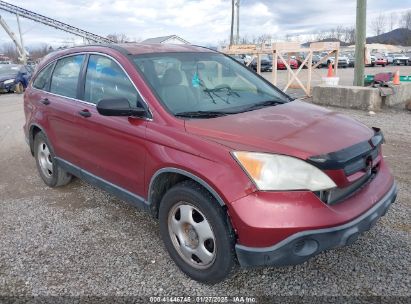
172, 77
192, 65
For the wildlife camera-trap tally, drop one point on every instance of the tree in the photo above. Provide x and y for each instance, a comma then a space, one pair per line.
349, 35
378, 24
10, 50
321, 35
118, 37
406, 20
40, 51
339, 33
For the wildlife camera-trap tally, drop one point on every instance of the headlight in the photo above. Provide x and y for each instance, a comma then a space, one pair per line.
280, 172
8, 81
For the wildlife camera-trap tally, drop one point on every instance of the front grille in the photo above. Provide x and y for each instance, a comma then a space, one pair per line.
357, 158
336, 195
362, 163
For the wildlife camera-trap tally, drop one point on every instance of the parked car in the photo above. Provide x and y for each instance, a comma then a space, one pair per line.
266, 64
14, 77
380, 60
372, 63
239, 58
351, 59
300, 59
390, 58
235, 170
343, 61
400, 59
292, 62
316, 59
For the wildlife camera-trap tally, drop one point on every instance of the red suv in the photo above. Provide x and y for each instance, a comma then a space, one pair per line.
235, 170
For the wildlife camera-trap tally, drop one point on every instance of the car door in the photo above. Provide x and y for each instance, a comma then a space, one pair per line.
112, 148
57, 95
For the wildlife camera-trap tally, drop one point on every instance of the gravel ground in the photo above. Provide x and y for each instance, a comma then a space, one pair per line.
79, 240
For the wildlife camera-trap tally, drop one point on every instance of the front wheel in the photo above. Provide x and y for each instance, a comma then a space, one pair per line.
196, 233
19, 88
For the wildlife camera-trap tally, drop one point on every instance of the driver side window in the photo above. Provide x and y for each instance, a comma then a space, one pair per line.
105, 79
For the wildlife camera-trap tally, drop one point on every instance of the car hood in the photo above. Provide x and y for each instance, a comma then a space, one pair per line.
295, 128
8, 76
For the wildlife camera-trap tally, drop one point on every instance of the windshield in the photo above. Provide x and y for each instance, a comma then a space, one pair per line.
205, 82
8, 69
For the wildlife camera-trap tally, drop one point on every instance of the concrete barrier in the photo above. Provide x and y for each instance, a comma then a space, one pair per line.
401, 96
364, 98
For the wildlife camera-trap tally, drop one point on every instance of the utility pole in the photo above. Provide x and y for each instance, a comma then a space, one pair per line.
232, 23
360, 36
238, 22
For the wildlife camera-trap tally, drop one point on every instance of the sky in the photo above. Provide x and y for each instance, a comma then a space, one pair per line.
205, 22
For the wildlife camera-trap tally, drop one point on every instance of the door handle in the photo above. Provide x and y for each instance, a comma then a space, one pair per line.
85, 113
45, 101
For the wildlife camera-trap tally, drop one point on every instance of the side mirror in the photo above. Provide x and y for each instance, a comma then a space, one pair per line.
118, 107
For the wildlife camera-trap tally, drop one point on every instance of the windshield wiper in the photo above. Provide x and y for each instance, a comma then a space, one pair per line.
201, 114
267, 103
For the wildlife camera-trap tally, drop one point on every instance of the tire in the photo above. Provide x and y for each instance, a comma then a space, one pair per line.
215, 259
19, 88
52, 174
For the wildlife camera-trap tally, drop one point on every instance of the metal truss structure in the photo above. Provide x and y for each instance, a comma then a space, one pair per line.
52, 23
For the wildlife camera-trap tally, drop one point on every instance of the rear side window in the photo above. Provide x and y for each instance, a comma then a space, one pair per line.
105, 79
42, 80
65, 76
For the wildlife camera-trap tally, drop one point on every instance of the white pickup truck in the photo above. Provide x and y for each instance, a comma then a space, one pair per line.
401, 59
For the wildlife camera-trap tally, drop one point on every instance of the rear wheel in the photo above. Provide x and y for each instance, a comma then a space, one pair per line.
196, 233
51, 173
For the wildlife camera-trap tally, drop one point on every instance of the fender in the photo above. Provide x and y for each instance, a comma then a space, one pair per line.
31, 139
185, 173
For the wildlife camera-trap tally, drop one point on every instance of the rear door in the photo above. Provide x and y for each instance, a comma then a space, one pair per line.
57, 95
112, 148
64, 107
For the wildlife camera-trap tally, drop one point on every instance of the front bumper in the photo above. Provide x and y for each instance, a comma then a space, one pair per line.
299, 247
7, 87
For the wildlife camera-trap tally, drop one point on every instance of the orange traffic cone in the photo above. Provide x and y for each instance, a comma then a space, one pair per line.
330, 71
396, 79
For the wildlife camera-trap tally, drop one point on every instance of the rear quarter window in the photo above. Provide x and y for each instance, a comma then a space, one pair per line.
43, 78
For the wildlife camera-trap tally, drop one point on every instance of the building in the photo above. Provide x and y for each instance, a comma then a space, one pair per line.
172, 39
